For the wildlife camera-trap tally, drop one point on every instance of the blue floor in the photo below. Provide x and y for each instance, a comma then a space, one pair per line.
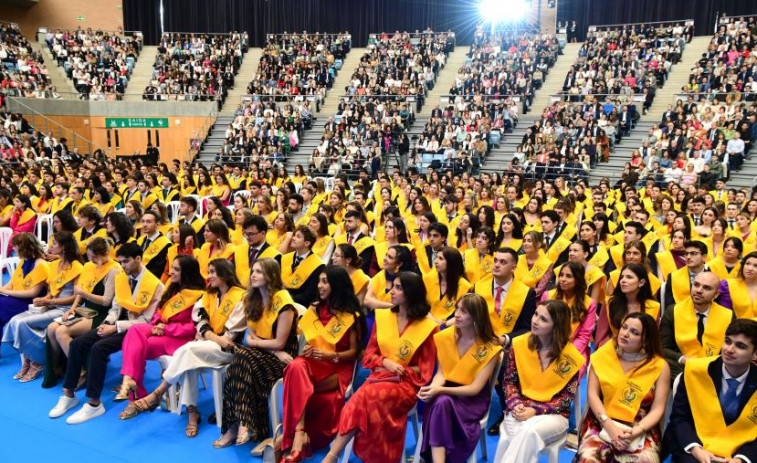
26, 429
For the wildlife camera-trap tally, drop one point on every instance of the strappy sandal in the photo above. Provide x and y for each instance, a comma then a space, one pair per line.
220, 443
34, 372
137, 407
192, 428
126, 391
243, 436
24, 368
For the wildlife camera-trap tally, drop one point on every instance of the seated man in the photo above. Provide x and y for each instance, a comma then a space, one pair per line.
714, 409
301, 268
695, 327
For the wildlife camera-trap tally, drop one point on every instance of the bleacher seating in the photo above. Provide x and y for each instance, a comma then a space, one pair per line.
23, 71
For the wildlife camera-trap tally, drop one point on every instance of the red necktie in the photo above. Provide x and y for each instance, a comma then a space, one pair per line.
350, 239
498, 299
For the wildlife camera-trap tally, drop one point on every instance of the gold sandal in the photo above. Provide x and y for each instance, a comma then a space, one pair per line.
192, 429
127, 391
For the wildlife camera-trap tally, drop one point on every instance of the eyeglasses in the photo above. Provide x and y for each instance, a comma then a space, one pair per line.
692, 254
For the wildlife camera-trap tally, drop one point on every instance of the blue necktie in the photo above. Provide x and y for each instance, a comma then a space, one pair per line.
729, 401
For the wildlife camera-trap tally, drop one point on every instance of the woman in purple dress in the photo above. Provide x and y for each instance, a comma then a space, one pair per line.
458, 396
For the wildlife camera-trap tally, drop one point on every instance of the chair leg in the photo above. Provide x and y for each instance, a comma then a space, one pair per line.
217, 377
414, 421
418, 446
202, 378
482, 441
348, 451
172, 401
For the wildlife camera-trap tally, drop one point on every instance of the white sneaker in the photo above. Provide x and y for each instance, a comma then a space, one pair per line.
86, 413
64, 404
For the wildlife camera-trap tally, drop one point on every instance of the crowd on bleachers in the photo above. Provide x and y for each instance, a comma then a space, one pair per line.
23, 70
196, 67
300, 66
98, 62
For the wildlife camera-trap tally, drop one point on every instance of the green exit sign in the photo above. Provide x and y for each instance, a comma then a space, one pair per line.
136, 122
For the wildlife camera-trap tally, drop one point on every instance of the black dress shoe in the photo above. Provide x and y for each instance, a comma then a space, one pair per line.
494, 428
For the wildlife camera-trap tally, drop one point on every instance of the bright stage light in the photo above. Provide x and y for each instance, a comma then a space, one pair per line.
503, 11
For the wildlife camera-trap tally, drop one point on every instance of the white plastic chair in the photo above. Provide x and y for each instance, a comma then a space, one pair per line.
173, 210
5, 240
274, 412
199, 205
217, 379
669, 407
171, 400
39, 228
552, 451
9, 265
243, 193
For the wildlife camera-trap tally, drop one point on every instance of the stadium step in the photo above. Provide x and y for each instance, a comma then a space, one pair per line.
556, 77
57, 74
246, 73
446, 79
142, 73
349, 66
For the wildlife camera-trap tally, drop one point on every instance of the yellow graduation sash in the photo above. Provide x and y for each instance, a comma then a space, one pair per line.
476, 267
167, 198
398, 348
552, 294
600, 258
136, 303
293, 280
557, 248
717, 266
205, 257
91, 274
531, 276
622, 393
219, 312
380, 290
264, 326
321, 245
38, 275
462, 370
666, 263
685, 320
359, 280
423, 260
242, 260
616, 253
155, 248
681, 284
57, 279
442, 307
181, 301
325, 337
101, 233
511, 307
26, 216
543, 385
743, 305
654, 282
59, 205
717, 438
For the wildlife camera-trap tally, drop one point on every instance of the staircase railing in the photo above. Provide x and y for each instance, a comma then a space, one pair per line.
196, 142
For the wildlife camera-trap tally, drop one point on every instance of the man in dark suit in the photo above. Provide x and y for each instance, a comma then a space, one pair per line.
254, 248
354, 236
301, 268
717, 425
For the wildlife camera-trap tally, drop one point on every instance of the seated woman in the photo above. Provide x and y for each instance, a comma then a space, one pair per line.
622, 426
459, 396
740, 293
26, 331
217, 245
633, 294
23, 217
94, 292
445, 283
401, 354
271, 343
345, 255
315, 383
185, 243
324, 245
571, 289
171, 327
219, 320
27, 281
539, 399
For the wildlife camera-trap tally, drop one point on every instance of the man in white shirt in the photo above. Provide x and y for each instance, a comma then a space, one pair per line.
735, 150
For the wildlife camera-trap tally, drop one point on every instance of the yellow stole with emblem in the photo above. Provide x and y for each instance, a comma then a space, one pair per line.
293, 280
26, 216
510, 309
57, 278
242, 260
561, 244
666, 263
622, 393
138, 302
380, 288
462, 370
219, 312
363, 243
681, 284
743, 304
718, 267
59, 205
205, 256
442, 306
685, 321
717, 438
264, 326
321, 245
155, 248
476, 266
542, 385
181, 301
325, 337
531, 276
91, 274
396, 347
101, 233
38, 275
359, 280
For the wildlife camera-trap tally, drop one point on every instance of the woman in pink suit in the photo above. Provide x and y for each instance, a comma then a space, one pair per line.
23, 217
171, 328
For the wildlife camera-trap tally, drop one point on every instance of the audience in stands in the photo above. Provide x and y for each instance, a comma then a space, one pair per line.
23, 72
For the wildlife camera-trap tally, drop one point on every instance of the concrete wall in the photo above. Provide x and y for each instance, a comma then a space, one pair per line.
97, 14
83, 124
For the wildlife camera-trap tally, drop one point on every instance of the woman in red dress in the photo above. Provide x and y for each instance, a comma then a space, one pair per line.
402, 355
315, 383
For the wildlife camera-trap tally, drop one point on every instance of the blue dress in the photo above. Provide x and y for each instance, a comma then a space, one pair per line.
11, 306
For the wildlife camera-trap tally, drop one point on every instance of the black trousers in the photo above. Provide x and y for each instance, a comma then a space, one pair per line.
99, 350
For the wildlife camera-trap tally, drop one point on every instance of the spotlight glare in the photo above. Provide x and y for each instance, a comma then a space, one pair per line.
500, 11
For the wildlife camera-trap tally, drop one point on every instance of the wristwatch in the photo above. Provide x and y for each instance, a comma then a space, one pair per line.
603, 417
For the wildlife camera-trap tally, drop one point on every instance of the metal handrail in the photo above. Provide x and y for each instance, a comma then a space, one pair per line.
195, 144
240, 33
737, 16
411, 34
567, 96
51, 125
9, 22
716, 94
311, 34
677, 21
46, 29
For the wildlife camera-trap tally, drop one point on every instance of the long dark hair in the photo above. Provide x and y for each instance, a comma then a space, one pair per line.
650, 341
122, 224
455, 270
225, 272
578, 310
67, 221
476, 306
190, 277
618, 303
400, 229
69, 246
559, 312
415, 295
517, 229
342, 298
